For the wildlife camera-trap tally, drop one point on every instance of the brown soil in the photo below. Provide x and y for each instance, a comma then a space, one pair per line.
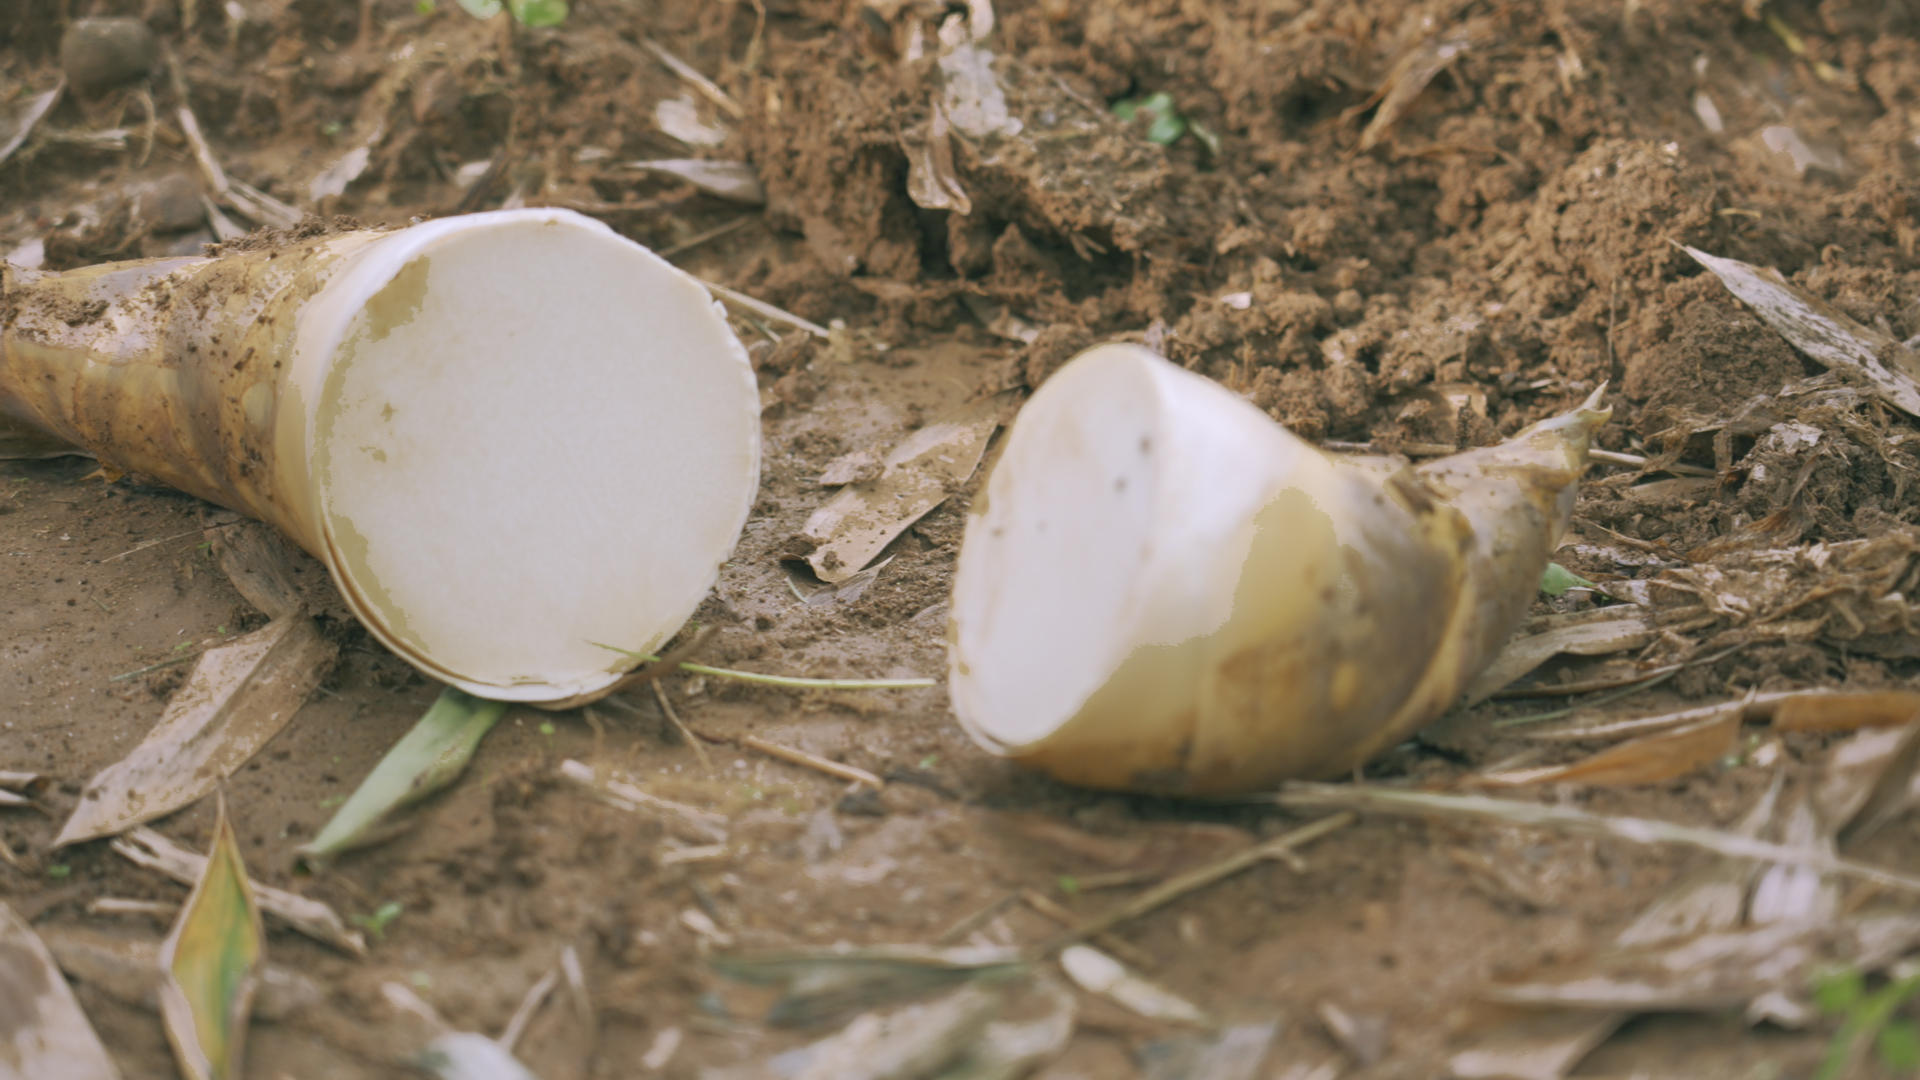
1512, 233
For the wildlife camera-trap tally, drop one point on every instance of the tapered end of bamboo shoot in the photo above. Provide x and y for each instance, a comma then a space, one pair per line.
525, 438
1161, 590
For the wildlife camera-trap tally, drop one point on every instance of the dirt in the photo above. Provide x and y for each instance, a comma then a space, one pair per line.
1509, 240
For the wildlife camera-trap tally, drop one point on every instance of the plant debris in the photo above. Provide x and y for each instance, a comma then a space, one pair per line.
234, 702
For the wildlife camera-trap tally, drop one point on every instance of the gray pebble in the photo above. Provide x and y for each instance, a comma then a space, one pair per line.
100, 54
169, 204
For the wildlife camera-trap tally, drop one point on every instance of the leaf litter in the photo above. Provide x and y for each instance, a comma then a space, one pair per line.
236, 699
210, 964
48, 1035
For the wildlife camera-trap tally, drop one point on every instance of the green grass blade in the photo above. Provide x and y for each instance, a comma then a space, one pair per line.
426, 759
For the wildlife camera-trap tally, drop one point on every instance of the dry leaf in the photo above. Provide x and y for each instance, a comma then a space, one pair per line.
18, 119
1097, 973
1623, 628
46, 1035
1828, 711
211, 962
921, 472
1642, 761
1822, 331
238, 698
310, 917
735, 181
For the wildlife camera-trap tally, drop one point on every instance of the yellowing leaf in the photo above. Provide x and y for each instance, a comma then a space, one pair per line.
210, 963
1642, 761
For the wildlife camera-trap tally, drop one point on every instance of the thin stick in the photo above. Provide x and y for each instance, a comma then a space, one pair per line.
765, 310
150, 849
1174, 888
153, 667
975, 921
113, 905
1633, 461
1606, 699
1052, 909
811, 761
1568, 819
807, 684
714, 233
793, 681
686, 733
536, 994
145, 544
706, 86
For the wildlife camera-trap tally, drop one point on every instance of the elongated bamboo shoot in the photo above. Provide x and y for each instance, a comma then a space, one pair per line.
508, 435
1162, 590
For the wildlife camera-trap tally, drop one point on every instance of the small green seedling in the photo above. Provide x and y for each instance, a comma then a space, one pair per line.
1068, 884
59, 871
377, 923
423, 8
1867, 1016
1164, 123
1558, 579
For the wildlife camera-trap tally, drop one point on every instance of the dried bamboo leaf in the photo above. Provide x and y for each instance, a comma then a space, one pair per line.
1719, 970
1816, 710
1097, 973
1710, 899
469, 1055
1542, 1047
426, 759
309, 916
254, 558
735, 181
1895, 785
1790, 893
1547, 1045
1578, 822
1643, 761
1412, 73
236, 700
128, 970
1522, 655
927, 466
1008, 1049
1821, 331
1234, 1054
692, 823
210, 963
47, 1037
932, 181
823, 982
17, 121
911, 1042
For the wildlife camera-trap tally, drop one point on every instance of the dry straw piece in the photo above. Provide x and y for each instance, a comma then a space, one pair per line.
508, 435
1162, 590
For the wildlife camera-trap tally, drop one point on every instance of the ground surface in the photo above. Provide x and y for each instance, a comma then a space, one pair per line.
1511, 232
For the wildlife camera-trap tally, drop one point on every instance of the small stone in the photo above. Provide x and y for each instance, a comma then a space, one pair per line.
100, 54
170, 204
